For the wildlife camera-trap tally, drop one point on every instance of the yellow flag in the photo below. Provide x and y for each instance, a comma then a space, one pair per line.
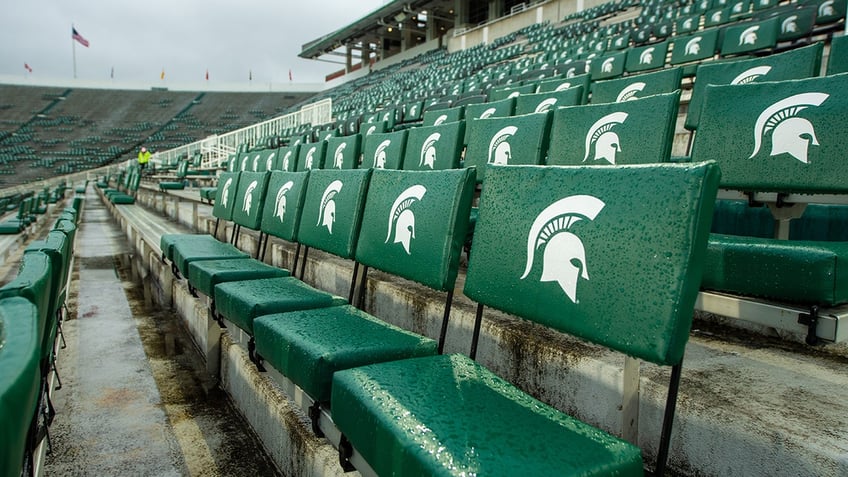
162, 75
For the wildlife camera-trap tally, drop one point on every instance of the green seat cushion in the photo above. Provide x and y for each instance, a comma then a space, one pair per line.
122, 199
187, 252
242, 302
19, 379
168, 241
208, 193
205, 274
10, 227
806, 272
447, 415
172, 185
309, 346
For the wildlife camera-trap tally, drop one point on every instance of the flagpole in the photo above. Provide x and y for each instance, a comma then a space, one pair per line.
74, 50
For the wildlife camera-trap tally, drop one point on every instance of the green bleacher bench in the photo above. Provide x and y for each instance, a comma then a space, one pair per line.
545, 258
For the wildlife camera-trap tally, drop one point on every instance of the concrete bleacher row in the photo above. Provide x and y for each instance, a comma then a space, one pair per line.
32, 308
714, 130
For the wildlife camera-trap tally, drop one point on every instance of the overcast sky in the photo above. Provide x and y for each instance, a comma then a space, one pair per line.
140, 38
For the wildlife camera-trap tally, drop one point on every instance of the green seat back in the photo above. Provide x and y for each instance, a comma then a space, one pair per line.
434, 147
225, 197
511, 91
332, 210
717, 16
645, 58
413, 111
640, 131
283, 203
796, 23
244, 162
286, 158
367, 129
34, 282
182, 169
837, 62
748, 37
384, 151
541, 102
560, 84
828, 11
492, 109
249, 200
265, 162
553, 258
441, 116
687, 24
19, 379
609, 66
786, 136
637, 86
343, 152
697, 47
794, 64
764, 4
512, 140
56, 246
311, 156
415, 224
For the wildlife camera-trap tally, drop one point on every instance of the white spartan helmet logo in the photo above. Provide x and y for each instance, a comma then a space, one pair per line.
428, 151
309, 158
749, 36
750, 75
737, 7
286, 161
514, 94
244, 162
563, 87
280, 204
380, 154
693, 46
338, 156
789, 25
225, 194
269, 163
545, 105
826, 9
716, 16
789, 133
248, 197
629, 92
499, 149
571, 73
441, 119
604, 139
256, 162
647, 56
564, 259
606, 66
327, 212
401, 218
370, 130
687, 24
488, 113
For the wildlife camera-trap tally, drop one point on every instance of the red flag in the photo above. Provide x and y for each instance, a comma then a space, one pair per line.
290, 75
207, 75
27, 67
76, 36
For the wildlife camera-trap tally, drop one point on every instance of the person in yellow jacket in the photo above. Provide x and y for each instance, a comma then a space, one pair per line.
143, 158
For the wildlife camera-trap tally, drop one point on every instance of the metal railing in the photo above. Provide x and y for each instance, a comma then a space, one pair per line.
216, 149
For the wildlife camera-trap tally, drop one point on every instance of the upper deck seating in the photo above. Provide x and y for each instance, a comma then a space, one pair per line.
426, 215
640, 131
783, 137
474, 421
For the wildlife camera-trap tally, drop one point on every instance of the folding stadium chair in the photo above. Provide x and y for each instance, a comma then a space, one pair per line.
837, 62
449, 115
477, 423
606, 67
343, 152
541, 102
511, 140
434, 147
384, 151
786, 151
637, 86
640, 131
427, 215
750, 36
644, 58
311, 156
500, 109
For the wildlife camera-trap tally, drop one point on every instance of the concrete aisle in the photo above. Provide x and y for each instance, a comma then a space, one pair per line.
134, 401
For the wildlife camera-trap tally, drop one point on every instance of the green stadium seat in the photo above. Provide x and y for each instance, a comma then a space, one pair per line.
343, 152
644, 58
178, 184
493, 109
34, 282
610, 66
19, 379
511, 91
379, 127
796, 23
438, 117
697, 47
637, 86
828, 11
750, 36
784, 137
512, 140
434, 147
311, 156
381, 409
309, 347
384, 151
542, 102
640, 131
559, 84
286, 158
837, 61
794, 64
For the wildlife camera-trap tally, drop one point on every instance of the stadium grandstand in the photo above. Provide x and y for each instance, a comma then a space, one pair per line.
556, 237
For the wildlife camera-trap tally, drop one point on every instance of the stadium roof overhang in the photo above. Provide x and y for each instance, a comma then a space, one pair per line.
373, 27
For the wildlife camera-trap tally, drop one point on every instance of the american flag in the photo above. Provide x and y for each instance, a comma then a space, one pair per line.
76, 36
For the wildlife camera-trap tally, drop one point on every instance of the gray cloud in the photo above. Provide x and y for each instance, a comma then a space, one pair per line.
185, 37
